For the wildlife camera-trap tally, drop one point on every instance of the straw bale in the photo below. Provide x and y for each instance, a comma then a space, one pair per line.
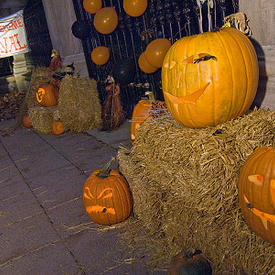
79, 104
40, 75
184, 186
42, 118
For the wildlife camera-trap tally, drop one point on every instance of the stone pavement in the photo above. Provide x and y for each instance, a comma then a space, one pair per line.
44, 228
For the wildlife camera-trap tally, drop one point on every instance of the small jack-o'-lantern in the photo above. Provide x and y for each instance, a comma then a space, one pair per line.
189, 262
210, 78
256, 187
106, 197
47, 95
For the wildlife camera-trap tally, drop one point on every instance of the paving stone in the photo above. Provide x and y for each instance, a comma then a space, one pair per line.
19, 238
70, 218
17, 203
98, 251
6, 124
115, 138
53, 259
58, 186
64, 141
57, 175
7, 170
28, 143
89, 158
34, 165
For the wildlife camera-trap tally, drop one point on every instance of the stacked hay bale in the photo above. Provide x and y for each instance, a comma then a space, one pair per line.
40, 75
79, 104
184, 186
42, 118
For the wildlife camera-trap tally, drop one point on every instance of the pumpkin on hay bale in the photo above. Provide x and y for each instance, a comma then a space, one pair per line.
210, 78
40, 75
79, 104
184, 186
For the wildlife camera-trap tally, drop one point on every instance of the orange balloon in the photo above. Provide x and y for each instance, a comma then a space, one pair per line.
100, 55
106, 20
156, 51
135, 7
92, 6
144, 65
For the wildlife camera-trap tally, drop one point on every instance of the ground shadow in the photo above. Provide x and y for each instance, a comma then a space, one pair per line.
263, 78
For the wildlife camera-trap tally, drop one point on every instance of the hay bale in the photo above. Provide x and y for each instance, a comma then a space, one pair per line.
40, 75
184, 185
42, 118
78, 104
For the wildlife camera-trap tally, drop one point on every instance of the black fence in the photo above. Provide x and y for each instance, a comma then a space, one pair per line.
172, 19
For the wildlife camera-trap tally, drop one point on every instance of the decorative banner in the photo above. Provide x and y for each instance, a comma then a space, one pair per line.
13, 39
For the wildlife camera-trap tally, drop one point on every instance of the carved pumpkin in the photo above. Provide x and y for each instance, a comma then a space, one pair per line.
26, 121
106, 197
47, 95
189, 262
210, 78
57, 128
256, 188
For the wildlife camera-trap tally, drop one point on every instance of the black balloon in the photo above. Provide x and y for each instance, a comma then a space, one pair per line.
81, 29
124, 71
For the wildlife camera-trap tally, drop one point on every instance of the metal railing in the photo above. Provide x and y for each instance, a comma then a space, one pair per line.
170, 19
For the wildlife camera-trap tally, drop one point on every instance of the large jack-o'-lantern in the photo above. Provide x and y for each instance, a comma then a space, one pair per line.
106, 197
210, 78
256, 189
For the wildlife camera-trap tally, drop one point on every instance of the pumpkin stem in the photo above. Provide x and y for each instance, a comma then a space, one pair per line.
105, 171
151, 96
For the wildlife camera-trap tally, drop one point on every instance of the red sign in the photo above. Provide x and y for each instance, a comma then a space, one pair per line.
13, 38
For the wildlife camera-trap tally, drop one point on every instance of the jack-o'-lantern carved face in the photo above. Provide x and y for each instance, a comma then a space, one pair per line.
107, 198
257, 192
208, 78
46, 95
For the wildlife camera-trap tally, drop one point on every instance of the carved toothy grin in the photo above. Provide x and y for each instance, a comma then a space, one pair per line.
191, 98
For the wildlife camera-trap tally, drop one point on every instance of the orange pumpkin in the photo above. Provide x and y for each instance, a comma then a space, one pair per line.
47, 95
256, 188
106, 197
26, 121
57, 128
142, 113
210, 78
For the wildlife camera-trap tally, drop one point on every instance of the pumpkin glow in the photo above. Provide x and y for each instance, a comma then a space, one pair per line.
210, 78
106, 197
46, 95
256, 188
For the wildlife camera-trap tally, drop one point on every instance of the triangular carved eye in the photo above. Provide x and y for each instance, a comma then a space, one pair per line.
256, 179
